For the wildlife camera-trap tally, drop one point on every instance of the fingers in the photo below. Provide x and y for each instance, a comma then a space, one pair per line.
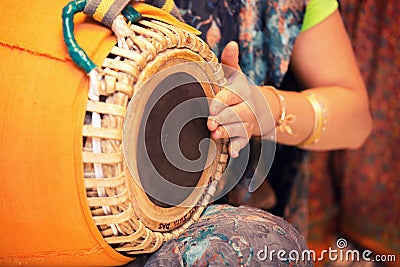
239, 134
230, 114
236, 144
230, 61
238, 129
236, 92
237, 113
223, 99
230, 55
233, 127
238, 88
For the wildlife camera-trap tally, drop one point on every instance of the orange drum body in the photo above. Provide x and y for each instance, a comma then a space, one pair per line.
63, 203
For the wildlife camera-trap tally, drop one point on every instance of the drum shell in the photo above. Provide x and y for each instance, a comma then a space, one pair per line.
46, 219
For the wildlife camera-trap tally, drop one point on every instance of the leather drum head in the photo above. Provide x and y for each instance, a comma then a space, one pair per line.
167, 146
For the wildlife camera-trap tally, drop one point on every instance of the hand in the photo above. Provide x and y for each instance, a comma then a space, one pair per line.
233, 110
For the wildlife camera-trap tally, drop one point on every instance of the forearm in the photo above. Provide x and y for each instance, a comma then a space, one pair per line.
346, 117
323, 60
333, 114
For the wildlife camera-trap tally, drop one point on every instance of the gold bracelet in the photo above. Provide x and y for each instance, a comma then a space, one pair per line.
320, 121
284, 120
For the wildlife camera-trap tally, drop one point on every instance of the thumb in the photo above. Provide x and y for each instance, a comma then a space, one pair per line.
230, 55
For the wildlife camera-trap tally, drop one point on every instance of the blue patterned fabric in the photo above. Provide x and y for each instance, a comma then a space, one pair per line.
265, 29
268, 30
233, 236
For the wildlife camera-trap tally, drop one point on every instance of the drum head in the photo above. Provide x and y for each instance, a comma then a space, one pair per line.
167, 145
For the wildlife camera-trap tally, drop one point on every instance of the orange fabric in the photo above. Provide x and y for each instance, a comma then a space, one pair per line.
45, 216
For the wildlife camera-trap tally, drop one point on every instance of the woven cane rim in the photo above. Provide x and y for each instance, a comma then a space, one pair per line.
106, 177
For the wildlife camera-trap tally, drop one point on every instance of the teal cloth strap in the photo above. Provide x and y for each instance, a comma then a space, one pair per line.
76, 53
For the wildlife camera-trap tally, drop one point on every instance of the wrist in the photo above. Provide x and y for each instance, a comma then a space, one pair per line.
273, 102
266, 110
283, 120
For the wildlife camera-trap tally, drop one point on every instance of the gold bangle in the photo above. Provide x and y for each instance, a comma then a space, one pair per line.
320, 121
284, 120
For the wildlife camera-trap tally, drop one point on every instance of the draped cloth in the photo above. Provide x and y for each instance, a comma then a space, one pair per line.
266, 31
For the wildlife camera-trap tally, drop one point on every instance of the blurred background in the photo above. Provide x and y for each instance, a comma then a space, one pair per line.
356, 194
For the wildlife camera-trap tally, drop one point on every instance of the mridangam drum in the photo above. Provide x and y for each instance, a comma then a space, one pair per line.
151, 73
158, 56
155, 68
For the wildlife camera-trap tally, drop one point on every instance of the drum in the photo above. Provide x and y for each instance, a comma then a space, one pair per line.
87, 170
159, 70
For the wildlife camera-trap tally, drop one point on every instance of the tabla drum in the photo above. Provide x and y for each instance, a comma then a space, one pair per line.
149, 78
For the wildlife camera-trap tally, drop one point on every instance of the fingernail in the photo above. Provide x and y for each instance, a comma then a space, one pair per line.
212, 109
216, 133
234, 154
213, 123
